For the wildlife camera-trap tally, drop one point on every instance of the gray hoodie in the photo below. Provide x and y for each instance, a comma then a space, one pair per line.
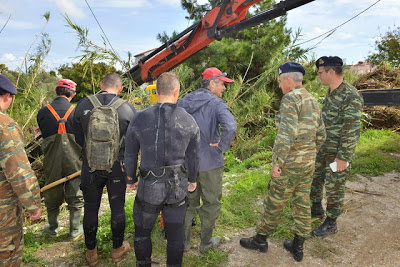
210, 112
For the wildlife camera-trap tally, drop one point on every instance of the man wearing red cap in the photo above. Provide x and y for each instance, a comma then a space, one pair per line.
210, 113
61, 158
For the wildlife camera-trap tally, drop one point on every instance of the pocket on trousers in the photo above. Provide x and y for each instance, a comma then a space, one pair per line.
152, 192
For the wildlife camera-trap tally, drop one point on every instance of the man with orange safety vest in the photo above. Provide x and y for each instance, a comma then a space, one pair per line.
61, 158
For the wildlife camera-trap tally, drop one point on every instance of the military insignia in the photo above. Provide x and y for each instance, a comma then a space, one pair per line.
321, 61
279, 71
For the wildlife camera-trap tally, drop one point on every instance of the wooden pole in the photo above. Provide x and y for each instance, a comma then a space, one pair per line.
62, 180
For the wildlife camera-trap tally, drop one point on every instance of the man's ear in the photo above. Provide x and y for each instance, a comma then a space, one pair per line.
101, 85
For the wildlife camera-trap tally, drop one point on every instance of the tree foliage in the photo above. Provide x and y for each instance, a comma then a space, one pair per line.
87, 78
388, 49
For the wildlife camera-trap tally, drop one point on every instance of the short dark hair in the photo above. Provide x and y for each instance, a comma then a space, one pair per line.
337, 69
112, 80
64, 91
167, 83
206, 83
3, 92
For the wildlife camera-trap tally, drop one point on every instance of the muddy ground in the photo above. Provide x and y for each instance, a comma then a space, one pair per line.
369, 234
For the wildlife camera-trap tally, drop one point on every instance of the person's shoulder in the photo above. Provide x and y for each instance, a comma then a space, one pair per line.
351, 92
8, 126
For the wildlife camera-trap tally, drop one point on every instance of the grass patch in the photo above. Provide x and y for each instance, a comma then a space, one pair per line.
373, 153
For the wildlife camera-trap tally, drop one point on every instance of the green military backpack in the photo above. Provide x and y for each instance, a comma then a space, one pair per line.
102, 142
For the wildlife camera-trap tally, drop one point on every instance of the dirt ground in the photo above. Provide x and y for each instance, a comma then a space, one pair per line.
369, 234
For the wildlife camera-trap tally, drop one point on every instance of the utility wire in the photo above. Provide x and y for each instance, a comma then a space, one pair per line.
5, 24
330, 32
105, 35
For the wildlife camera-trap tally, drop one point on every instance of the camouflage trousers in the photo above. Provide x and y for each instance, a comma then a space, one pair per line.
334, 183
11, 236
293, 183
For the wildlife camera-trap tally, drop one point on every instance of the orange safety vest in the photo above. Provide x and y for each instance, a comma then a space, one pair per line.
61, 124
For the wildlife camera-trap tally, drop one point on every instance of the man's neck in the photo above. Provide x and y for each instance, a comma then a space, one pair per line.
336, 82
68, 98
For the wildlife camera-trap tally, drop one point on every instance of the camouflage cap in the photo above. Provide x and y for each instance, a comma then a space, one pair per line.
6, 85
328, 61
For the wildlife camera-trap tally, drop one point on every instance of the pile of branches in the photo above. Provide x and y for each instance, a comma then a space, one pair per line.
379, 117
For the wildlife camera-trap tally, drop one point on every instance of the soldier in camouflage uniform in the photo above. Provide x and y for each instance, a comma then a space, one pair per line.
341, 111
18, 185
300, 134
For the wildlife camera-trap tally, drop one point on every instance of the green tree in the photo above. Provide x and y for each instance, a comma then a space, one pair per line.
388, 49
86, 76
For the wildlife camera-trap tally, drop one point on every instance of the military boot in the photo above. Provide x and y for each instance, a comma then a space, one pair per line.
91, 257
75, 226
317, 211
117, 253
52, 227
295, 247
328, 227
207, 241
257, 242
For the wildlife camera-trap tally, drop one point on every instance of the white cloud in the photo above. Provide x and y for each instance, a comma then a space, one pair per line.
8, 57
122, 3
70, 8
170, 2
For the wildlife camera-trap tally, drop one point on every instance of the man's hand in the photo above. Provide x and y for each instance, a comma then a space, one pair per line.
36, 215
341, 165
192, 186
215, 144
276, 171
132, 186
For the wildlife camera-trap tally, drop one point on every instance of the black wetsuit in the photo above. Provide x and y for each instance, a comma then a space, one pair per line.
168, 138
93, 183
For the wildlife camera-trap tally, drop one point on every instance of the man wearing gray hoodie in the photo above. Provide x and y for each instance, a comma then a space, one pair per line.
210, 112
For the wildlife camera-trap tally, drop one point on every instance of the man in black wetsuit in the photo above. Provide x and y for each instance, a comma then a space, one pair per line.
93, 182
169, 139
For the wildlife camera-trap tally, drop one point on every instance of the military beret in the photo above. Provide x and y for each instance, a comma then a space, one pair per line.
6, 85
291, 67
328, 61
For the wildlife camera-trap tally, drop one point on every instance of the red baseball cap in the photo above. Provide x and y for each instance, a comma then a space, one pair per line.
214, 73
67, 83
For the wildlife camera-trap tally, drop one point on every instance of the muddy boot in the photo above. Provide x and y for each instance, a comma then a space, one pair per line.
317, 211
194, 222
75, 226
186, 236
295, 247
117, 253
257, 242
91, 256
207, 241
52, 228
328, 227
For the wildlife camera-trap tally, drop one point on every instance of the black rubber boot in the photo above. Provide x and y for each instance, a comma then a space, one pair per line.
257, 242
317, 211
328, 227
295, 247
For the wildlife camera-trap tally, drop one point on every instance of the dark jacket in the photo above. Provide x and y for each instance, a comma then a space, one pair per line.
166, 135
47, 122
210, 112
82, 115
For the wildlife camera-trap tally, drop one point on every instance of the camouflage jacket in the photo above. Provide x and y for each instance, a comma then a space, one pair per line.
301, 130
18, 183
341, 111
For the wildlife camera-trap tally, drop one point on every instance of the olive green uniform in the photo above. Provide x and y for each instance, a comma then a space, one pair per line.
300, 134
341, 111
18, 189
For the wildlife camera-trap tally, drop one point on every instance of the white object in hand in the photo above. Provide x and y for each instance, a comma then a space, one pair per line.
333, 166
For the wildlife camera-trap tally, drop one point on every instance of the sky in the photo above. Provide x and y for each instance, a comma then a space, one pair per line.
132, 25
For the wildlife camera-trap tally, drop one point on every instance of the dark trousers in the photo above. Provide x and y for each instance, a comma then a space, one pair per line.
173, 225
92, 187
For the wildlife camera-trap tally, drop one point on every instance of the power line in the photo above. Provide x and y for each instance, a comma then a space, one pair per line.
330, 32
105, 35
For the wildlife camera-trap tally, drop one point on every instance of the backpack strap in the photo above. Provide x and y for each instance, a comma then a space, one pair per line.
117, 103
94, 100
61, 122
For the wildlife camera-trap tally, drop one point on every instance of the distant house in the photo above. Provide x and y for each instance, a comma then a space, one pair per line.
361, 67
